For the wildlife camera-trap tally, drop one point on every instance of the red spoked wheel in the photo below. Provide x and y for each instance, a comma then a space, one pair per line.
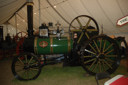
19, 36
19, 39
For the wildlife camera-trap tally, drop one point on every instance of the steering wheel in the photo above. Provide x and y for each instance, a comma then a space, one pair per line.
19, 36
19, 39
85, 25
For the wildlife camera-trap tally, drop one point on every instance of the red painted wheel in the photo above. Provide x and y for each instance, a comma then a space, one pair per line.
19, 36
19, 39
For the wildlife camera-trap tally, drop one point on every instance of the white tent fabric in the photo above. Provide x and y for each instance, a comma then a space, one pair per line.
9, 29
105, 12
8, 7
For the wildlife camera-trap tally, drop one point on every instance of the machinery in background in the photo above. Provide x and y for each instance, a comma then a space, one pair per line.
84, 46
10, 46
7, 46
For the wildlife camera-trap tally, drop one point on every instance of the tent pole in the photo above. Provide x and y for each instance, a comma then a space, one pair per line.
6, 24
16, 22
7, 28
39, 13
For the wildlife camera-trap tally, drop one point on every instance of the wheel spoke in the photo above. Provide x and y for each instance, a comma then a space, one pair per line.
108, 47
87, 24
27, 74
73, 26
80, 37
109, 52
103, 65
99, 65
79, 23
104, 45
26, 59
87, 56
34, 63
20, 70
19, 64
93, 48
96, 46
100, 43
89, 61
36, 69
87, 35
30, 60
90, 52
23, 74
95, 67
109, 60
92, 64
107, 64
32, 72
20, 61
111, 55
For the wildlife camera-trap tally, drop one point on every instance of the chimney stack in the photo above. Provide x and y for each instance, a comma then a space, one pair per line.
30, 17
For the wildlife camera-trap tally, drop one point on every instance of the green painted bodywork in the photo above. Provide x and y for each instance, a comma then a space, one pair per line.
59, 46
119, 43
41, 50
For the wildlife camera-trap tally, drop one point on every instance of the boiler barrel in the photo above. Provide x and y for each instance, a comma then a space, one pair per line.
52, 45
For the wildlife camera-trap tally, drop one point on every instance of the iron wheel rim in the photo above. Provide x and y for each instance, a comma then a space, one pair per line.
24, 68
98, 61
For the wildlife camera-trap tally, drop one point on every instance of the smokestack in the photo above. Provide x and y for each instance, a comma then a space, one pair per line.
30, 17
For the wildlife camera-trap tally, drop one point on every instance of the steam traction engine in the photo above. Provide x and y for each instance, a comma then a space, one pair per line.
84, 46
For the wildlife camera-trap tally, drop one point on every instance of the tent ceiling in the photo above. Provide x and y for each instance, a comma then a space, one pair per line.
105, 12
8, 8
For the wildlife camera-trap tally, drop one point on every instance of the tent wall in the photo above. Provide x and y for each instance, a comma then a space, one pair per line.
105, 12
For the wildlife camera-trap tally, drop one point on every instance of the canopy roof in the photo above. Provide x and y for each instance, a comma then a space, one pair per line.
105, 12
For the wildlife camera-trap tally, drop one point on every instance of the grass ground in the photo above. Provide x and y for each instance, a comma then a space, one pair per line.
54, 75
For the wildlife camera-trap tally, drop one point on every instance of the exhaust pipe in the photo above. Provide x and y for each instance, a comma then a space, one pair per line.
30, 17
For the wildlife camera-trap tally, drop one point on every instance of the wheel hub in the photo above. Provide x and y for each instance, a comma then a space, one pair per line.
26, 67
100, 55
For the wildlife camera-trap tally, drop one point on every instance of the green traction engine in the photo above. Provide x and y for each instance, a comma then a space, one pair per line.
52, 45
83, 46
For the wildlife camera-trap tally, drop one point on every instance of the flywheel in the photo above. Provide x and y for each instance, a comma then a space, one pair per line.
83, 26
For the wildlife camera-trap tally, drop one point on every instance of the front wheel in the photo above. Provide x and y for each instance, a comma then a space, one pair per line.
26, 66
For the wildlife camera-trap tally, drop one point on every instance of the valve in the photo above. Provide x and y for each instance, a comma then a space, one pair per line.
59, 32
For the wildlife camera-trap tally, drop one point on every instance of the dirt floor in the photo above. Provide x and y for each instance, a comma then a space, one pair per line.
52, 77
6, 76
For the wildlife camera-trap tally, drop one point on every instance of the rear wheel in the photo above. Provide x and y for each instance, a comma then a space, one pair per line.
26, 67
100, 54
